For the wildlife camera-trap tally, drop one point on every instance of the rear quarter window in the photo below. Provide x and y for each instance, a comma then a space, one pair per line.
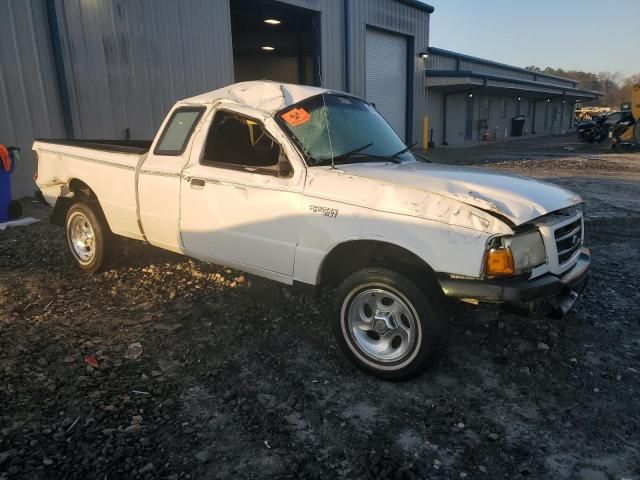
178, 130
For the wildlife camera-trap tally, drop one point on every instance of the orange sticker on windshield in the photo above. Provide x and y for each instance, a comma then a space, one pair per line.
296, 116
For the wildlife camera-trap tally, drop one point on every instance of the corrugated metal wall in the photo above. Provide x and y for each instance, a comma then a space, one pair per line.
127, 62
444, 62
556, 81
498, 120
440, 62
29, 105
143, 56
501, 109
397, 18
530, 88
332, 41
434, 107
491, 70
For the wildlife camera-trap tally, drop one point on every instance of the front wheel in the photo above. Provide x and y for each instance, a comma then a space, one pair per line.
387, 326
88, 236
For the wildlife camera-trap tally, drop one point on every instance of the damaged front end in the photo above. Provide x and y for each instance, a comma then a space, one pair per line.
543, 266
549, 293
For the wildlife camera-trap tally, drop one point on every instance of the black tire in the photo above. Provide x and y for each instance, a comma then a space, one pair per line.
14, 210
99, 250
390, 290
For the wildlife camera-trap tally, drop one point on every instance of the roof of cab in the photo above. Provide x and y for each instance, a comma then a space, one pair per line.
263, 95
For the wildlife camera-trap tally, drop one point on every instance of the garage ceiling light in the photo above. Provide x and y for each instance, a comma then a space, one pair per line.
272, 21
267, 48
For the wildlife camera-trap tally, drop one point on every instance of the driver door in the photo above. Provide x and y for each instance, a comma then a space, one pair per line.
241, 197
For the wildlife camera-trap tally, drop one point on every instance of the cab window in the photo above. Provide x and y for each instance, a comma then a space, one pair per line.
176, 134
239, 142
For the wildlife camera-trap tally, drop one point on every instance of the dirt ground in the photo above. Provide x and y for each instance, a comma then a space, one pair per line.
238, 378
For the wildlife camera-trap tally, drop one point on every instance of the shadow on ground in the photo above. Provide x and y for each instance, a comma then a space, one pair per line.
240, 378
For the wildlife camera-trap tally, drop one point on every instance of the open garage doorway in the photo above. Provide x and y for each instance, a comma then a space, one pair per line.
275, 41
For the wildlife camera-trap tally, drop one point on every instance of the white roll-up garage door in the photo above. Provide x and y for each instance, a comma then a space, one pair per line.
386, 77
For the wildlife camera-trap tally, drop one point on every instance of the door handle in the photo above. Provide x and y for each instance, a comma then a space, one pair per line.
197, 183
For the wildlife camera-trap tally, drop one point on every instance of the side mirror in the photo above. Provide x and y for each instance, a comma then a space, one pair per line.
285, 170
284, 167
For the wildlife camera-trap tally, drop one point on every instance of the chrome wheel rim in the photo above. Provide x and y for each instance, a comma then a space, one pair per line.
382, 325
82, 239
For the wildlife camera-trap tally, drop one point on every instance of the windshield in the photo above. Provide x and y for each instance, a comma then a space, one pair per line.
614, 117
357, 131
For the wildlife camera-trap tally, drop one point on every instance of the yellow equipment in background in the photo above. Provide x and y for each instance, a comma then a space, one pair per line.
635, 101
628, 133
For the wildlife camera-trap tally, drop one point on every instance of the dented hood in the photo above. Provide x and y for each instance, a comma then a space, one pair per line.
519, 199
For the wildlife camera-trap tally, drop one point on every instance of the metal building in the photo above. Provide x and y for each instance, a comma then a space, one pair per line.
471, 100
113, 68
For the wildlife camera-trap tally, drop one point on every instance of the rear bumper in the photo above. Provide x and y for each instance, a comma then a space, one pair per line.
556, 294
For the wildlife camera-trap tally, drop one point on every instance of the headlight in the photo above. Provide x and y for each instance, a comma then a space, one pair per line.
515, 255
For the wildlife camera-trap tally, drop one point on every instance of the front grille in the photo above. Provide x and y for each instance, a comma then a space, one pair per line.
568, 240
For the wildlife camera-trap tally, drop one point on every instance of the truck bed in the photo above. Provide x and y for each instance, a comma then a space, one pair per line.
121, 146
107, 167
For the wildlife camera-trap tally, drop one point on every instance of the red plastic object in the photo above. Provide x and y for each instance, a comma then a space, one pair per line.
6, 159
91, 361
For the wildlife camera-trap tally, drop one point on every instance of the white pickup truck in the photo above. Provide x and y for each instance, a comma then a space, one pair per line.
312, 187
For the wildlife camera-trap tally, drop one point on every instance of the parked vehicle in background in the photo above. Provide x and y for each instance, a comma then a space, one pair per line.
599, 128
591, 130
313, 188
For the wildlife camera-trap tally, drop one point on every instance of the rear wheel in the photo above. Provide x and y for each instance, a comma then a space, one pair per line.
387, 326
88, 237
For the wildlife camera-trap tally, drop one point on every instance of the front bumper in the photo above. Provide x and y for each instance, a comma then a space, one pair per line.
556, 294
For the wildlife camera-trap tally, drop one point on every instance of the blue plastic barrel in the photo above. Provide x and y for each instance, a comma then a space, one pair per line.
7, 166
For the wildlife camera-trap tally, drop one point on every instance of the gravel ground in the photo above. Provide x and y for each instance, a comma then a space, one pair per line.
238, 378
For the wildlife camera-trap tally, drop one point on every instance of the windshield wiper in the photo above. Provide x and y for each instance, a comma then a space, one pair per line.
363, 156
404, 150
422, 158
350, 153
386, 158
344, 155
416, 155
377, 158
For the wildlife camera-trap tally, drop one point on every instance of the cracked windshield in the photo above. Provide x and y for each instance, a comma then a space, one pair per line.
345, 128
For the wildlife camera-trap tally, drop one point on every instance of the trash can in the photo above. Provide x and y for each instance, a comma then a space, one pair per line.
9, 210
517, 126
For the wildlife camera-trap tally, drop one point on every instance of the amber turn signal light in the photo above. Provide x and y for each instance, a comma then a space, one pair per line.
499, 262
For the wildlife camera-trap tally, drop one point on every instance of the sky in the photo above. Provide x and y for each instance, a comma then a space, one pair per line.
590, 35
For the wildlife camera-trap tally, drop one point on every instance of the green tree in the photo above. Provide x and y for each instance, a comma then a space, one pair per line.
615, 89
